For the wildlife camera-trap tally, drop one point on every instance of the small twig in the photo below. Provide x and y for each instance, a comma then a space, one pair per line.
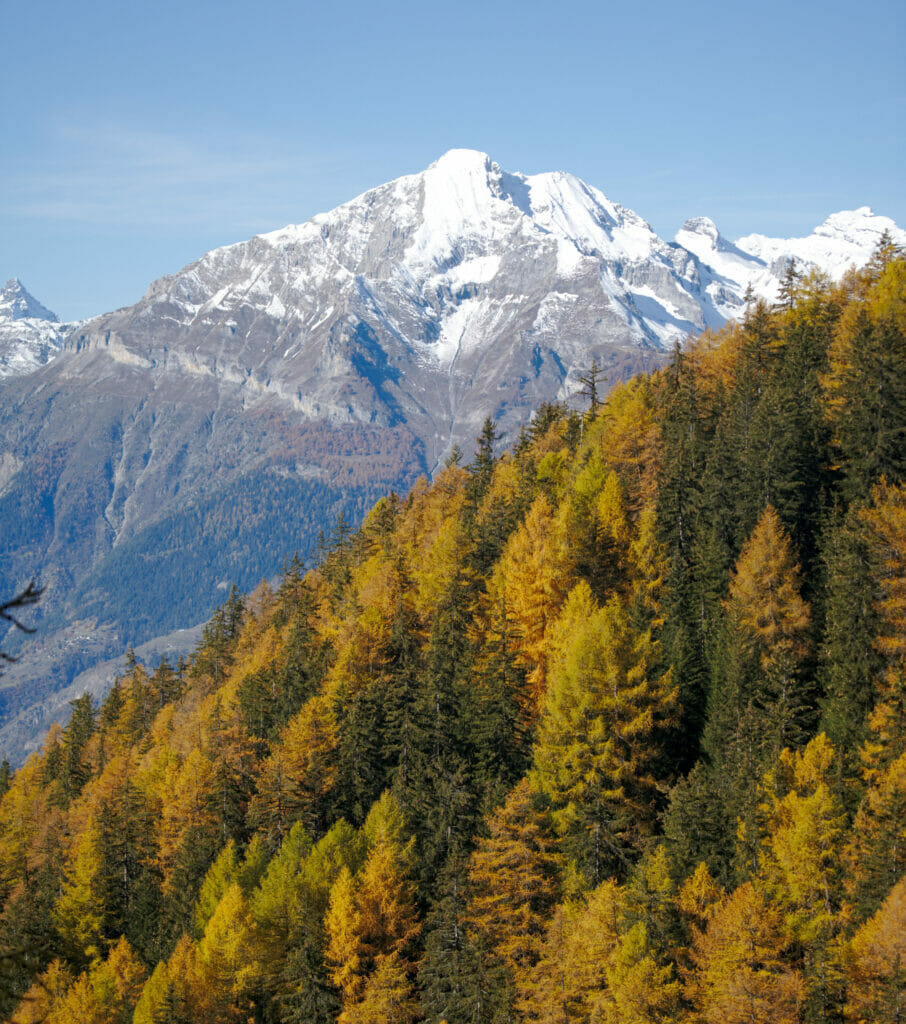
29, 596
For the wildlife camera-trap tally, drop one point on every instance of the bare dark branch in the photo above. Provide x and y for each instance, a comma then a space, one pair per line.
29, 596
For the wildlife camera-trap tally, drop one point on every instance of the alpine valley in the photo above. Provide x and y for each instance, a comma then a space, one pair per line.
152, 456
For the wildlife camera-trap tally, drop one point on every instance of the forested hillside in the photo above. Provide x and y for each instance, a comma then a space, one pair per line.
610, 728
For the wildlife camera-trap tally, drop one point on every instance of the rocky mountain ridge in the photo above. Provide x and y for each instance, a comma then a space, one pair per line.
426, 258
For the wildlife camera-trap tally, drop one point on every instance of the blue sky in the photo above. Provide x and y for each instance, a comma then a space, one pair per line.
138, 136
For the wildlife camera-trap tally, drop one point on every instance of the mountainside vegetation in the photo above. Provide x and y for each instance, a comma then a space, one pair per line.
610, 728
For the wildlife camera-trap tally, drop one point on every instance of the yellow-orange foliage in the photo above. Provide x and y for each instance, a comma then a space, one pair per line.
579, 941
228, 960
31, 825
742, 975
343, 925
804, 840
629, 438
765, 596
300, 770
513, 877
387, 998
107, 992
188, 787
47, 993
876, 964
530, 579
372, 919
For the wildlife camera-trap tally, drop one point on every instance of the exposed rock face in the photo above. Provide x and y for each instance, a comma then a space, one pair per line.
153, 455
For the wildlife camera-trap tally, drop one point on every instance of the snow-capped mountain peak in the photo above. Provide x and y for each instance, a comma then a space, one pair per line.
17, 304
453, 267
862, 225
701, 236
30, 335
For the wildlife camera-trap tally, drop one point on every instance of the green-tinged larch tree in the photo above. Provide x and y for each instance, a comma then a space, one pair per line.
291, 910
373, 916
80, 910
607, 699
651, 899
594, 520
639, 989
229, 959
180, 996
581, 937
801, 866
221, 875
386, 900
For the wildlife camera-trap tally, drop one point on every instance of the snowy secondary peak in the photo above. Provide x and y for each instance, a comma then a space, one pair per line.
700, 226
30, 335
862, 225
846, 239
17, 304
700, 235
726, 269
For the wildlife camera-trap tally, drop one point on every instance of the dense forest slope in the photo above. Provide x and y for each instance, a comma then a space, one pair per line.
609, 728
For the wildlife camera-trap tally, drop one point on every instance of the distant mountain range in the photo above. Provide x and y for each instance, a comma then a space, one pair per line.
152, 455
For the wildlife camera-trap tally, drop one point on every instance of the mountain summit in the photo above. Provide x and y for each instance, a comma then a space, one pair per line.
30, 334
17, 304
426, 303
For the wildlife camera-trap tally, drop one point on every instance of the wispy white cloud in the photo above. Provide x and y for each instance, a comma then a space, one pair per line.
104, 173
